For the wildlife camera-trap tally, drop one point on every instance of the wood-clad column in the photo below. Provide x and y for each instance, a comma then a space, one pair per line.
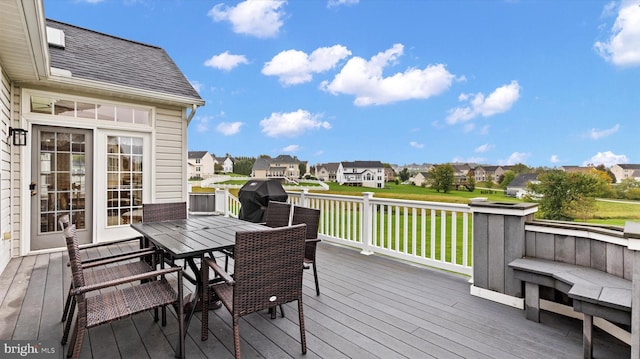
499, 238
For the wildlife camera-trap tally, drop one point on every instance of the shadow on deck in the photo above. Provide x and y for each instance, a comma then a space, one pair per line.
370, 307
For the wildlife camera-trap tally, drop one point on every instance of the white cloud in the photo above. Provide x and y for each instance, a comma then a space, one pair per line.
468, 127
291, 149
295, 67
202, 123
607, 159
484, 130
623, 46
415, 144
226, 61
196, 85
499, 101
292, 124
332, 3
554, 159
364, 79
259, 18
483, 148
229, 128
595, 134
516, 157
319, 153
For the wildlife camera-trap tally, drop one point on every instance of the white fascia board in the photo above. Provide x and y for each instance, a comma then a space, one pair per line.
35, 28
147, 95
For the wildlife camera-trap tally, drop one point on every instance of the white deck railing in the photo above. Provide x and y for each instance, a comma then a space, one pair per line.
428, 233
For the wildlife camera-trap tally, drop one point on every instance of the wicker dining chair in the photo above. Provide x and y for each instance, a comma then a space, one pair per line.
310, 217
277, 214
155, 212
267, 272
107, 268
143, 292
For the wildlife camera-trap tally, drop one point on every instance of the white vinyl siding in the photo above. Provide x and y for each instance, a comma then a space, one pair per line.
170, 156
5, 174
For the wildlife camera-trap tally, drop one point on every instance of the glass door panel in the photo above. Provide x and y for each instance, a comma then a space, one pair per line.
62, 185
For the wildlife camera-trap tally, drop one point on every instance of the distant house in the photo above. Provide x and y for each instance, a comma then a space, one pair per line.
461, 172
200, 164
421, 178
106, 123
283, 167
327, 171
225, 162
361, 173
389, 174
518, 186
626, 170
484, 173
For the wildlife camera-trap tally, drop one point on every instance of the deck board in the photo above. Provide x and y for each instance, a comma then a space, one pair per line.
369, 307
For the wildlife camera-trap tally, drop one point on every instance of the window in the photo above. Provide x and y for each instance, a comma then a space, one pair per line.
90, 110
124, 180
197, 160
197, 169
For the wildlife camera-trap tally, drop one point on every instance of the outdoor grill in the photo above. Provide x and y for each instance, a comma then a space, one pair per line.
255, 195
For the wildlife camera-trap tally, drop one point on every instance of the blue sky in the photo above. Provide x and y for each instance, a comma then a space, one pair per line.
545, 83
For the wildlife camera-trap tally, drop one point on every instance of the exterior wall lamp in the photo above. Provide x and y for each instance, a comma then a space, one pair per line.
19, 136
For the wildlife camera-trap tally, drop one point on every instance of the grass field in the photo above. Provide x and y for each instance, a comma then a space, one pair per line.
610, 213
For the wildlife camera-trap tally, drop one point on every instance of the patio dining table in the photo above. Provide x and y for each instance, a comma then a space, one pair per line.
190, 239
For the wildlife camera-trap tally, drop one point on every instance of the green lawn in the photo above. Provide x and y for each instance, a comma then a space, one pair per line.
610, 213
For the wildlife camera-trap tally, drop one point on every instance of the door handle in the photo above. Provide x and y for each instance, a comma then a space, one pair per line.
32, 188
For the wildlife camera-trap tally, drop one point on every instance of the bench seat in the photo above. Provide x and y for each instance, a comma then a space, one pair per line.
594, 293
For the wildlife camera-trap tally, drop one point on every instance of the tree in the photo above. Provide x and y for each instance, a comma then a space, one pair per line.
302, 167
507, 178
404, 175
471, 182
442, 177
243, 165
567, 195
520, 168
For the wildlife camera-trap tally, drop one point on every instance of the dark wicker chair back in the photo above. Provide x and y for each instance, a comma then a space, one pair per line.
121, 298
310, 217
277, 214
267, 273
104, 269
154, 212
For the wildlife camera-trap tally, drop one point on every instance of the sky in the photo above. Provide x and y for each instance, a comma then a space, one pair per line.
497, 82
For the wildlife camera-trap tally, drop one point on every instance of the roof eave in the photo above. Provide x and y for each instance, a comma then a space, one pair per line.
146, 95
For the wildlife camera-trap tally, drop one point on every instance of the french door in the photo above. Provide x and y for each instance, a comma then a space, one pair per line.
62, 177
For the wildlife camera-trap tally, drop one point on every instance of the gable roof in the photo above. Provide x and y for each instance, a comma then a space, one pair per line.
331, 167
196, 154
362, 164
95, 56
629, 166
284, 159
522, 179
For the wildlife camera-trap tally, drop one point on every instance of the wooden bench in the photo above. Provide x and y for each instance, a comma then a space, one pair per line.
593, 292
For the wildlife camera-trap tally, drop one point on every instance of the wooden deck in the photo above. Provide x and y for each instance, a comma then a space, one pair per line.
370, 307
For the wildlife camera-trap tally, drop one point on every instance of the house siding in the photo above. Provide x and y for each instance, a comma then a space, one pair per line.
5, 173
170, 156
14, 211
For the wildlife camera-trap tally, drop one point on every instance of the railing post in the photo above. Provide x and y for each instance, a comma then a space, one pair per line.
632, 232
367, 220
498, 238
304, 201
221, 201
